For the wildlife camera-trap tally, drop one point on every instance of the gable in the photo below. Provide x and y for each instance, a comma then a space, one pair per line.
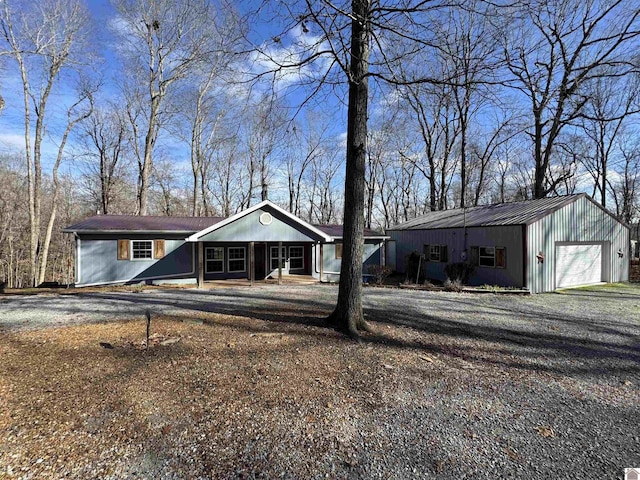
249, 228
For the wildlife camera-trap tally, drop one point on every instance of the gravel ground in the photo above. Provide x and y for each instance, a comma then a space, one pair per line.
447, 386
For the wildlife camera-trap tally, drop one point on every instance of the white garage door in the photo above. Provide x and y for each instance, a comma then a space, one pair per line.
578, 265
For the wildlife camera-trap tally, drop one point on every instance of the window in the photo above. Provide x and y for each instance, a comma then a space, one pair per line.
141, 249
338, 250
214, 260
492, 257
296, 258
435, 253
237, 259
274, 257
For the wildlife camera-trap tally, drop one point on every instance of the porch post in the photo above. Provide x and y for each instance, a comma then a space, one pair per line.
252, 263
200, 264
321, 261
279, 263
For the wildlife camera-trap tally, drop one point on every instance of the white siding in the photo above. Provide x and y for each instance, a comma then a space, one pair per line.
580, 221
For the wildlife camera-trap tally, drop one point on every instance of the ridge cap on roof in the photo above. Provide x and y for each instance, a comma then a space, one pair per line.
458, 210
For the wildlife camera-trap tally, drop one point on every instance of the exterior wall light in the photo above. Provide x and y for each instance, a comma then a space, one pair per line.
540, 257
620, 253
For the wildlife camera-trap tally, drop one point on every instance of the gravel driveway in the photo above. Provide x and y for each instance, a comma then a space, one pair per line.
542, 386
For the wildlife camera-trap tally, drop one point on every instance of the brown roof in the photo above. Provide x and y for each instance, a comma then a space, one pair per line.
138, 223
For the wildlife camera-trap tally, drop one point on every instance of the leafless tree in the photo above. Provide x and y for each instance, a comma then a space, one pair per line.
611, 103
44, 40
162, 42
104, 143
554, 50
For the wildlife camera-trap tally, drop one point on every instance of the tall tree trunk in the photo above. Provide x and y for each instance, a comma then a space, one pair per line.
347, 315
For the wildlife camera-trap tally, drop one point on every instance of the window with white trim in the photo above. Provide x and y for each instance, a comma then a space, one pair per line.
141, 249
214, 260
491, 257
237, 259
274, 257
296, 258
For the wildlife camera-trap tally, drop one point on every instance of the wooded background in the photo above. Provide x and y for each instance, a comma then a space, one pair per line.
205, 108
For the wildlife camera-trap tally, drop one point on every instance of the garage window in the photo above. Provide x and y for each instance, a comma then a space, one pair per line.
435, 253
491, 257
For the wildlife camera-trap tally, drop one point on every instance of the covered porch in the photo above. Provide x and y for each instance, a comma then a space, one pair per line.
262, 243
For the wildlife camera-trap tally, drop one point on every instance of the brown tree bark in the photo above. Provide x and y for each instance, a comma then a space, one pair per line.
348, 316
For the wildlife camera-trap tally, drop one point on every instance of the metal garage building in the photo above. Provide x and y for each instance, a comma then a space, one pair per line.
539, 245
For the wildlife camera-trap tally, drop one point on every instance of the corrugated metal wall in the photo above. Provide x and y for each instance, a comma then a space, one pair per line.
509, 237
580, 221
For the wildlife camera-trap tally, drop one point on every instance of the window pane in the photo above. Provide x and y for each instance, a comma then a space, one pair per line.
434, 253
215, 253
486, 251
236, 259
295, 251
142, 248
274, 257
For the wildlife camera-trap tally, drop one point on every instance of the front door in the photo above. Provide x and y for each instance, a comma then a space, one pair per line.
260, 251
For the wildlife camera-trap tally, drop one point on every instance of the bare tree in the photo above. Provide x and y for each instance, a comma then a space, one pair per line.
44, 40
611, 101
163, 41
554, 50
104, 141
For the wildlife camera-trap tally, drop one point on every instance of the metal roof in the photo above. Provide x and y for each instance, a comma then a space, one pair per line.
516, 213
337, 231
138, 223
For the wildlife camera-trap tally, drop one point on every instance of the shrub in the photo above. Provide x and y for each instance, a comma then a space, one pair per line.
379, 272
453, 286
459, 272
413, 263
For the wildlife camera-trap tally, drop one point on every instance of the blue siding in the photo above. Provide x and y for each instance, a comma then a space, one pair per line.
249, 228
98, 261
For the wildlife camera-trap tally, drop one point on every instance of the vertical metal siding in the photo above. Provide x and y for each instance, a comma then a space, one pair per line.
580, 221
509, 237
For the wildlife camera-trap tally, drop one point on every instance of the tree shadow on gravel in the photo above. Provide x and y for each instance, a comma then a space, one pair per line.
469, 336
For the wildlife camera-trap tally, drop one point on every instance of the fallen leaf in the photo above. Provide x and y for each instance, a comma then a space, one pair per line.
545, 431
426, 358
388, 367
627, 383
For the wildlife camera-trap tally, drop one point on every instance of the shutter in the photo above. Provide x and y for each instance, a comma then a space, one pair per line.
501, 258
123, 249
425, 253
158, 249
475, 256
444, 253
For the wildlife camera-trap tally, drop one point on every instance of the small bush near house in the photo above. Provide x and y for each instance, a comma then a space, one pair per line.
379, 272
453, 286
459, 272
413, 266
